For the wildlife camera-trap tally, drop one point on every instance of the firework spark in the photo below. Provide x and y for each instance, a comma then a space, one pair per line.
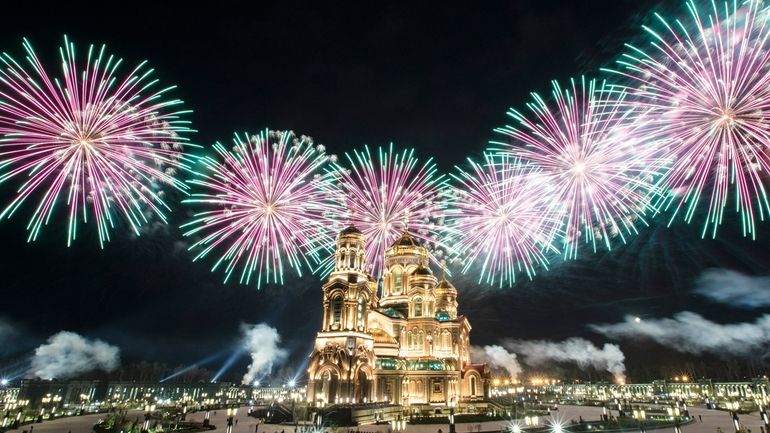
389, 195
704, 84
101, 142
496, 211
596, 175
270, 203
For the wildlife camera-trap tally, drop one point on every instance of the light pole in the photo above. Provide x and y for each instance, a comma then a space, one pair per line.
148, 410
452, 404
231, 412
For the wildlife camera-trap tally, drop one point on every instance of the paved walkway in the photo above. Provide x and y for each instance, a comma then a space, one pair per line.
711, 419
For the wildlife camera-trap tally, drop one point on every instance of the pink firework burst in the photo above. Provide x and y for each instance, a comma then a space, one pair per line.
595, 174
266, 206
100, 143
704, 86
389, 195
497, 215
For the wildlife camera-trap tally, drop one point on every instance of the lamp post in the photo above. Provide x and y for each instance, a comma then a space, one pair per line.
231, 412
452, 404
207, 415
148, 410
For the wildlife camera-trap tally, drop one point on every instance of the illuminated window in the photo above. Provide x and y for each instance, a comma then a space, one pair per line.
473, 385
337, 309
360, 312
417, 307
397, 281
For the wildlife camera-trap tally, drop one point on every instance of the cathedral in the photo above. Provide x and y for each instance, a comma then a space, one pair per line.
403, 343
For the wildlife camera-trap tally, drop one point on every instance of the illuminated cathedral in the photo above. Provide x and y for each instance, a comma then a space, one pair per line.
403, 343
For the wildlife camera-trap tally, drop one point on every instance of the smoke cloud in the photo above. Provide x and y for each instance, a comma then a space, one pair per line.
67, 354
575, 350
733, 288
7, 330
261, 341
497, 356
690, 332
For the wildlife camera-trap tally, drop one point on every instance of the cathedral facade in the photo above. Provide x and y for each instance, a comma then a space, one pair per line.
403, 343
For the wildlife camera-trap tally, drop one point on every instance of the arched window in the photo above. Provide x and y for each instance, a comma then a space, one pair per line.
360, 310
351, 260
418, 307
446, 340
337, 309
397, 281
473, 385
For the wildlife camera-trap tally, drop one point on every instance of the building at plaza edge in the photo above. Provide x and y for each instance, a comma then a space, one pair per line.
403, 343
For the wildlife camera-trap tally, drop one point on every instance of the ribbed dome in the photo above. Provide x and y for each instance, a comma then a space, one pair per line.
445, 284
406, 240
422, 270
351, 230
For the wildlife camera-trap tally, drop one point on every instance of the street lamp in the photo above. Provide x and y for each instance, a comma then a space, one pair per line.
231, 412
148, 410
452, 404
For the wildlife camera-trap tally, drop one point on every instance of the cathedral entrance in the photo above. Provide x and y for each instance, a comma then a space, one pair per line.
327, 388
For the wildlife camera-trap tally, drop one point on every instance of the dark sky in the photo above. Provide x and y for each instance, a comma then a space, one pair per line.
430, 75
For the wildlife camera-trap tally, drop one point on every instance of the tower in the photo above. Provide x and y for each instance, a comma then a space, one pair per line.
341, 364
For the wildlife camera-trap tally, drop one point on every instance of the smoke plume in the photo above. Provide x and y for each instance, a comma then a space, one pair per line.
733, 288
7, 330
575, 350
261, 341
497, 356
690, 332
68, 354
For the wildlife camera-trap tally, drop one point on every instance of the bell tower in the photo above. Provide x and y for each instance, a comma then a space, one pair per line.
342, 363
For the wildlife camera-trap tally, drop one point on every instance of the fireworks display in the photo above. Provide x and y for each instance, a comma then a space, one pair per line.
704, 84
496, 215
594, 174
383, 197
266, 206
98, 142
686, 131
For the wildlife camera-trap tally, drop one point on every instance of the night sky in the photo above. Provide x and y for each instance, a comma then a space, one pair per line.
431, 76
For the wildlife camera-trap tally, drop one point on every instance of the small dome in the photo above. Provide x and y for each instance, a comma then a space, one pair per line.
422, 270
351, 230
442, 316
406, 240
444, 284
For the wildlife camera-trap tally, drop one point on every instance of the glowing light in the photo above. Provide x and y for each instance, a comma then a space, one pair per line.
102, 144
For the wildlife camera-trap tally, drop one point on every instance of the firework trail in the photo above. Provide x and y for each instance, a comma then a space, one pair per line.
389, 195
266, 206
101, 142
703, 85
595, 174
496, 214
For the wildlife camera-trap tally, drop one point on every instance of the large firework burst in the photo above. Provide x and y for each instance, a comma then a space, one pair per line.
704, 84
496, 213
270, 205
388, 196
595, 174
102, 143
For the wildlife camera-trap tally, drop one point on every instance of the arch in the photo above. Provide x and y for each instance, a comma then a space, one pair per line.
327, 386
398, 277
417, 302
336, 309
473, 385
